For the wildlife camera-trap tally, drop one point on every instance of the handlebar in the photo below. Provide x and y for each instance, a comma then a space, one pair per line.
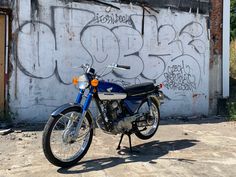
123, 66
114, 66
86, 66
88, 69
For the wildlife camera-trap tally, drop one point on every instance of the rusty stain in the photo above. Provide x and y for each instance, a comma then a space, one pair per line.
195, 95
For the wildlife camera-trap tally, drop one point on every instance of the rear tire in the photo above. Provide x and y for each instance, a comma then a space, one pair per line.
47, 140
144, 136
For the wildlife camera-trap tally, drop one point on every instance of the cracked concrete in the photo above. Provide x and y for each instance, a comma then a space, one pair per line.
192, 148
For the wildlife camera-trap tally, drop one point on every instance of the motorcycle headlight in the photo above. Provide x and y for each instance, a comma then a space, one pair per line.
82, 81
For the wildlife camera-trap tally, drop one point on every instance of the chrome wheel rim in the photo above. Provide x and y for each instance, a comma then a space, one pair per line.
154, 113
69, 151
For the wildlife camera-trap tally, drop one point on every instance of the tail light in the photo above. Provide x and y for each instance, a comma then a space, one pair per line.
161, 86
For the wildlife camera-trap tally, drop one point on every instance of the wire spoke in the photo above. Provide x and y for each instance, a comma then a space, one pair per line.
62, 145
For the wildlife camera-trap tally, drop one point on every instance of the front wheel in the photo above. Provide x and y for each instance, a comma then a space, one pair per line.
152, 117
59, 145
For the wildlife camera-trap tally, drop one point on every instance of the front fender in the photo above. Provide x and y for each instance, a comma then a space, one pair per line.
62, 108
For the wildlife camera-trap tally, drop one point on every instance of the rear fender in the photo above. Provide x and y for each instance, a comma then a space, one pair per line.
62, 108
155, 99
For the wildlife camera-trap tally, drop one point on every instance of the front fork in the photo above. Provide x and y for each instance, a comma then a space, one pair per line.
84, 109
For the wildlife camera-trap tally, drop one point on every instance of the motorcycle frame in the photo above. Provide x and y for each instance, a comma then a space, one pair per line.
131, 103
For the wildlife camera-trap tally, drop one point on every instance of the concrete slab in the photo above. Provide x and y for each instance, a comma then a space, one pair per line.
181, 149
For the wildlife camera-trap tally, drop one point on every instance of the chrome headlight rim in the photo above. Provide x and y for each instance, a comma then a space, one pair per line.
83, 85
83, 82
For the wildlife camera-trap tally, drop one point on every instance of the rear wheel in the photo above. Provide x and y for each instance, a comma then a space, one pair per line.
60, 147
148, 128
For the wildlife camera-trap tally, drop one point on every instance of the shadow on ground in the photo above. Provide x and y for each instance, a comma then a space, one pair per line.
148, 152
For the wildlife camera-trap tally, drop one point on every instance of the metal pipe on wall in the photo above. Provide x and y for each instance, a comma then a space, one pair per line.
226, 47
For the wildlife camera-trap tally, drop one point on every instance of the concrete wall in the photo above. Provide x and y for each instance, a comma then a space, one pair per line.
52, 37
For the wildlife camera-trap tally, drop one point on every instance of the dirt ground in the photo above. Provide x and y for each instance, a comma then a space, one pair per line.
203, 147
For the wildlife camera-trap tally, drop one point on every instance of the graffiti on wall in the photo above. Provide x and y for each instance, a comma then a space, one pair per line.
180, 77
157, 52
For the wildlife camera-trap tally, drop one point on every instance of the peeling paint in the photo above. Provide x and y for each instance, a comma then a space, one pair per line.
34, 9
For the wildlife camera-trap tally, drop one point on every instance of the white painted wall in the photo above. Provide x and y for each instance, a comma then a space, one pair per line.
173, 50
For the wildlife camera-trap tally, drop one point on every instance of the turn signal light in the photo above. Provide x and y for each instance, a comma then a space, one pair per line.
75, 80
94, 82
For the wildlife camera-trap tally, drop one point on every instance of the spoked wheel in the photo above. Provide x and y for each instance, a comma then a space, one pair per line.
148, 126
60, 146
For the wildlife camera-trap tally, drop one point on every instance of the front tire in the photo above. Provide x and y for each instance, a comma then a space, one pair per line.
55, 138
147, 132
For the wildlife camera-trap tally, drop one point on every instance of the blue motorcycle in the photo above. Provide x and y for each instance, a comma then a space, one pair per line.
132, 110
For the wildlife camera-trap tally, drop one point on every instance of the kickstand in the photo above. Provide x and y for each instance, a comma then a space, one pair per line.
130, 146
121, 138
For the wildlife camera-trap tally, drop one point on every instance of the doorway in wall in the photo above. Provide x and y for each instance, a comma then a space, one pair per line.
3, 60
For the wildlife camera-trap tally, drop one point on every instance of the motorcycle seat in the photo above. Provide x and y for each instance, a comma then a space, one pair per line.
140, 89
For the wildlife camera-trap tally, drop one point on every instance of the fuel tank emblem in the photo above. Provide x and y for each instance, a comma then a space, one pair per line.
109, 89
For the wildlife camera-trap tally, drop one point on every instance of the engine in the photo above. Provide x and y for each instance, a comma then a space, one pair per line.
113, 110
114, 116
